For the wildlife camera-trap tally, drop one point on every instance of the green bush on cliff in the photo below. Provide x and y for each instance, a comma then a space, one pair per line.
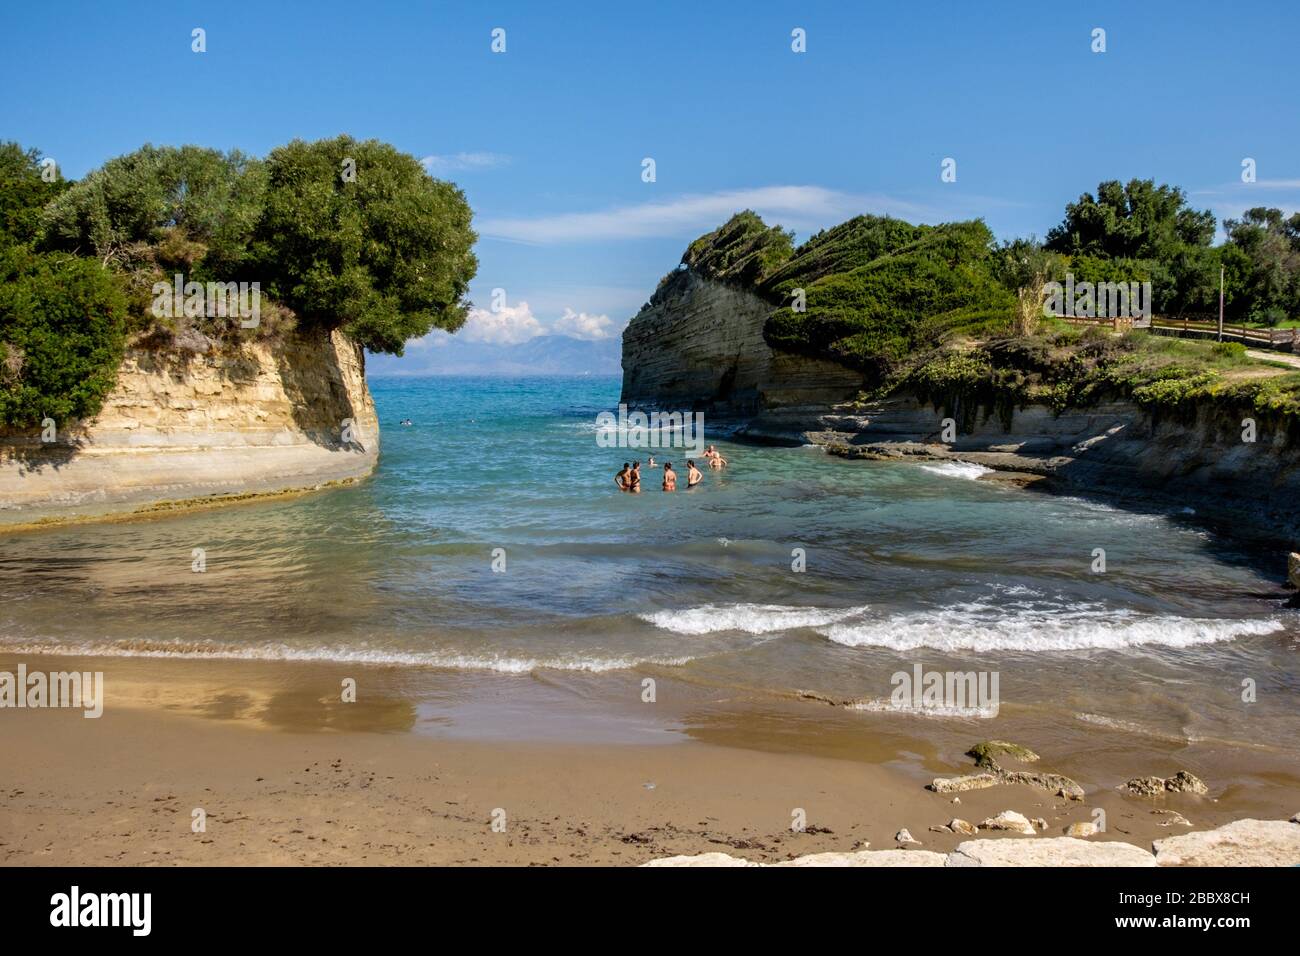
23, 194
352, 235
62, 330
879, 291
742, 251
384, 253
871, 293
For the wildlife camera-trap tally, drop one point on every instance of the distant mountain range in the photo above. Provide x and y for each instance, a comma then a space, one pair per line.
544, 355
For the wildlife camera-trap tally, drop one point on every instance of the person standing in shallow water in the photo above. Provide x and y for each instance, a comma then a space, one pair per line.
670, 477
693, 475
634, 478
621, 478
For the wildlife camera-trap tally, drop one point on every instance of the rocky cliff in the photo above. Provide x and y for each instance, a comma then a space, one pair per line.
196, 424
698, 344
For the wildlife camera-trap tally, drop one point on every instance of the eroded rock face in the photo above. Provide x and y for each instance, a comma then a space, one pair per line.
1048, 851
1181, 782
970, 781
190, 423
1240, 843
698, 345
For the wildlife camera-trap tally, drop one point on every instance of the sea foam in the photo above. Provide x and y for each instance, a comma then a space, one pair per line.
749, 618
979, 627
957, 469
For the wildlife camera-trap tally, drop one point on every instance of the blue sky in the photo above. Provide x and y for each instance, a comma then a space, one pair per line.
547, 139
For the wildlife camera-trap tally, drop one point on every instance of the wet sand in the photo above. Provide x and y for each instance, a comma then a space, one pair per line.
412, 772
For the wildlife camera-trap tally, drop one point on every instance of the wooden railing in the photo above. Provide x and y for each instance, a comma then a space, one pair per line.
1201, 329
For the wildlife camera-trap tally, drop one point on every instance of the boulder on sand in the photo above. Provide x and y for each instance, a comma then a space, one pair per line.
1240, 843
1009, 820
1048, 851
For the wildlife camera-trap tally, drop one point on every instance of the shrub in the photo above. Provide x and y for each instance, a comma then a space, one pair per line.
62, 330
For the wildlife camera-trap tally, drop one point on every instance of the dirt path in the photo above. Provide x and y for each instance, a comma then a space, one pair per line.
1286, 358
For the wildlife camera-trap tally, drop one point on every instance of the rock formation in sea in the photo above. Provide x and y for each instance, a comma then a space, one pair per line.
901, 349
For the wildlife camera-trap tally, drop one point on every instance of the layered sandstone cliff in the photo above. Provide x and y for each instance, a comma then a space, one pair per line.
191, 425
698, 344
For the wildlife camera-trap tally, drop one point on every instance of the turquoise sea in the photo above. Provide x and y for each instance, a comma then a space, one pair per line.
905, 564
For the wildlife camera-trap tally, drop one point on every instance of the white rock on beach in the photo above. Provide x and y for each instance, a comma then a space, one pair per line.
1048, 851
861, 858
1084, 828
870, 858
905, 836
1009, 820
1240, 843
958, 825
703, 859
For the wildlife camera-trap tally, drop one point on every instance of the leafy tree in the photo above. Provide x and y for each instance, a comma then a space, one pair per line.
198, 202
1268, 267
384, 254
62, 329
23, 193
1137, 221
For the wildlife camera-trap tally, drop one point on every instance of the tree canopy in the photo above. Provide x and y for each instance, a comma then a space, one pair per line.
385, 254
348, 235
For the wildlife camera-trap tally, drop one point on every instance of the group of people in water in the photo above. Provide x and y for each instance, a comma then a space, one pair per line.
629, 479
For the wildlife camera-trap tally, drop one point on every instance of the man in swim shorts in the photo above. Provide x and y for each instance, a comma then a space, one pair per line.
621, 478
693, 475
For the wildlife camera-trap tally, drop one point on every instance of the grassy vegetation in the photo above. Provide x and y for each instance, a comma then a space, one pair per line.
935, 311
1064, 367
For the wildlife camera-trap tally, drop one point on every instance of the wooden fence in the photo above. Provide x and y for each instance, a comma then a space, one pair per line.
1284, 339
1287, 340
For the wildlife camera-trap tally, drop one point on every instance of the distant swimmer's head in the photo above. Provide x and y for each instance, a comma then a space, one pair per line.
690, 462
668, 464
626, 466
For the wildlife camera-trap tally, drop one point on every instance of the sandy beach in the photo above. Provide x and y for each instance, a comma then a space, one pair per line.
287, 774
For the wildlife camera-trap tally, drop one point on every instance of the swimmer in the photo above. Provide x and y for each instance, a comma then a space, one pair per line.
621, 478
717, 461
670, 477
693, 475
634, 478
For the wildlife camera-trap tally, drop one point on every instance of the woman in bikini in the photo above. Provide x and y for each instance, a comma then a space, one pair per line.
670, 477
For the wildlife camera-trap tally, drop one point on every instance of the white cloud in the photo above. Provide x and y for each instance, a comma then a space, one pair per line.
797, 207
580, 325
511, 325
459, 162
